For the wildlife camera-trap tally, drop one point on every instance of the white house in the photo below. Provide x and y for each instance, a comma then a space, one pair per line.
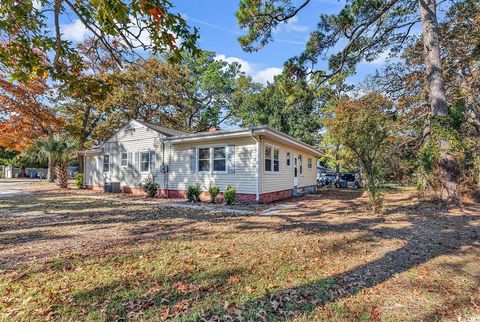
262, 164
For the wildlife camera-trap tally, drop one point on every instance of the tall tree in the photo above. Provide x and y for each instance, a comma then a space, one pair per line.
402, 81
24, 113
367, 28
288, 104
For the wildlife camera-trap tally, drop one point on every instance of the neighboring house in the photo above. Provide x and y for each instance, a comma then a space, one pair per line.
284, 167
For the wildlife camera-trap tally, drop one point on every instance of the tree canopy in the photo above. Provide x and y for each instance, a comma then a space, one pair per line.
121, 28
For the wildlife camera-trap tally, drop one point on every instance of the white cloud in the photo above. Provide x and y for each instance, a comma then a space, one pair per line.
75, 31
260, 75
245, 66
382, 57
291, 25
266, 75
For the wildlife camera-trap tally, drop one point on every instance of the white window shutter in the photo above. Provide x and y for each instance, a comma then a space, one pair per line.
137, 161
129, 159
193, 160
231, 159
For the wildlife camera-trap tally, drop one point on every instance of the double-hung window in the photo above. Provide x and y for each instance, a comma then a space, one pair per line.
272, 158
309, 164
276, 159
212, 159
219, 159
268, 158
289, 159
204, 160
106, 163
144, 161
124, 159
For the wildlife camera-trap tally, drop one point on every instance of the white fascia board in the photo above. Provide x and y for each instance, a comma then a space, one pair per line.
91, 152
213, 136
275, 135
288, 140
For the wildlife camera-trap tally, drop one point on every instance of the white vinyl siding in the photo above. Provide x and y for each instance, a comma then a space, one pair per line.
244, 159
138, 138
283, 180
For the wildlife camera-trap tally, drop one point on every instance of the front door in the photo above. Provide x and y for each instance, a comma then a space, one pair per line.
295, 172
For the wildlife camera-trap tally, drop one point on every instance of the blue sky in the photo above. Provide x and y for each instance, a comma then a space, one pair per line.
219, 31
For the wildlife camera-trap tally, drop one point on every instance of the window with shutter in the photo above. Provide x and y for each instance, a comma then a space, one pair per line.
145, 161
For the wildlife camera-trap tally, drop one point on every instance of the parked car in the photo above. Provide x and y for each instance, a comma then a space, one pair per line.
348, 180
326, 179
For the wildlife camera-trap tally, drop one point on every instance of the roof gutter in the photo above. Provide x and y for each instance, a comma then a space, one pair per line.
242, 133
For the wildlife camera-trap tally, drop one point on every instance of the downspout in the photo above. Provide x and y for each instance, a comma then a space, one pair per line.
165, 173
257, 170
84, 170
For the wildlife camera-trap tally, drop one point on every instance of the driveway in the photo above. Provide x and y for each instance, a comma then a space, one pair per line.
14, 187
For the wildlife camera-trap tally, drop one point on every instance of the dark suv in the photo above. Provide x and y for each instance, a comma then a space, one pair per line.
348, 180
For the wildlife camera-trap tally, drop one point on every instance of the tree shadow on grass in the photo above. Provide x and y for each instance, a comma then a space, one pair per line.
167, 296
427, 237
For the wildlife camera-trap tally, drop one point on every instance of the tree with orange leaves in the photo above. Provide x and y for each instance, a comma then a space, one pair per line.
24, 113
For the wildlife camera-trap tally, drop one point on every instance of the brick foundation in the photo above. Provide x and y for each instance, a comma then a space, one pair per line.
205, 196
94, 188
275, 196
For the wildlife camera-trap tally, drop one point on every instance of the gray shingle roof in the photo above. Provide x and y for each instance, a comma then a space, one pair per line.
163, 130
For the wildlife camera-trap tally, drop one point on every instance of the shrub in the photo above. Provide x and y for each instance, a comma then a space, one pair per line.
79, 180
150, 186
229, 195
194, 191
213, 191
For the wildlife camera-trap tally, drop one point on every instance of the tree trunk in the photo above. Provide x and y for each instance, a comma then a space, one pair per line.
23, 173
447, 174
50, 171
81, 158
337, 167
62, 174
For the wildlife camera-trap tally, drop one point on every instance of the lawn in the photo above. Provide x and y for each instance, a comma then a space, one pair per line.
75, 256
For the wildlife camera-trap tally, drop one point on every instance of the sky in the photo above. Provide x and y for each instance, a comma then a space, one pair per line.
219, 31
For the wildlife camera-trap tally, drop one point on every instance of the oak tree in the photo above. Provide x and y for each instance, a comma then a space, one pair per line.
363, 30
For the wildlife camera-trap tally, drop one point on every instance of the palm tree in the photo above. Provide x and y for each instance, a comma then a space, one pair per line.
60, 152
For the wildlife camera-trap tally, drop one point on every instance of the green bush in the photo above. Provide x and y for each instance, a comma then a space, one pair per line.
213, 191
193, 192
229, 195
79, 180
150, 186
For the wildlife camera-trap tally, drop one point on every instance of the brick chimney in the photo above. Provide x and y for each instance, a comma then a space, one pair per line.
213, 129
